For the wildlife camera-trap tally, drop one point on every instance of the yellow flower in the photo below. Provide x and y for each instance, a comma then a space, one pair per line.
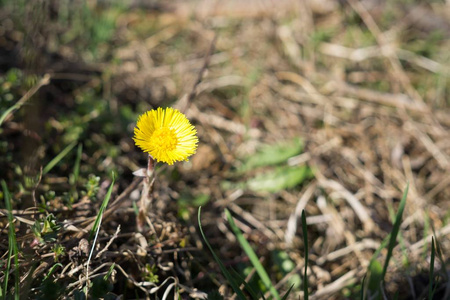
166, 134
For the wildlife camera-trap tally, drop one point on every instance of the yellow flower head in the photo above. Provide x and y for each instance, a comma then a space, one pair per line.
166, 134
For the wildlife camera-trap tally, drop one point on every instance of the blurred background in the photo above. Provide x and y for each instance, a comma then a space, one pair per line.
328, 106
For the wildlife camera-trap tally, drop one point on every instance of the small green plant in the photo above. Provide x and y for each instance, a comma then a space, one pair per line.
92, 186
46, 230
150, 273
45, 199
59, 251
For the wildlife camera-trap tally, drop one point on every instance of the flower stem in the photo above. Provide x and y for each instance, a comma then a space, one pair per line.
150, 166
146, 197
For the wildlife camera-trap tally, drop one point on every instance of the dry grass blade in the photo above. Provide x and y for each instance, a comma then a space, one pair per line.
337, 285
359, 209
388, 52
294, 217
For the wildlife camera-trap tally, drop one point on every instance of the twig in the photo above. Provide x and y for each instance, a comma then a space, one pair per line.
335, 286
444, 231
441, 157
364, 244
394, 100
109, 243
438, 187
360, 54
94, 272
359, 209
130, 278
252, 220
294, 217
190, 97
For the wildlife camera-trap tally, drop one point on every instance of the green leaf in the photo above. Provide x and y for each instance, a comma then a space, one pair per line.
287, 293
279, 179
247, 286
271, 155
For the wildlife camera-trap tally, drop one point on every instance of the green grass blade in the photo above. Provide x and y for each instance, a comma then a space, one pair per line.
252, 256
6, 113
361, 295
95, 230
76, 168
397, 294
305, 242
102, 209
438, 254
52, 269
8, 260
379, 249
430, 288
287, 293
225, 272
111, 269
58, 158
12, 249
426, 229
395, 230
374, 270
248, 288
